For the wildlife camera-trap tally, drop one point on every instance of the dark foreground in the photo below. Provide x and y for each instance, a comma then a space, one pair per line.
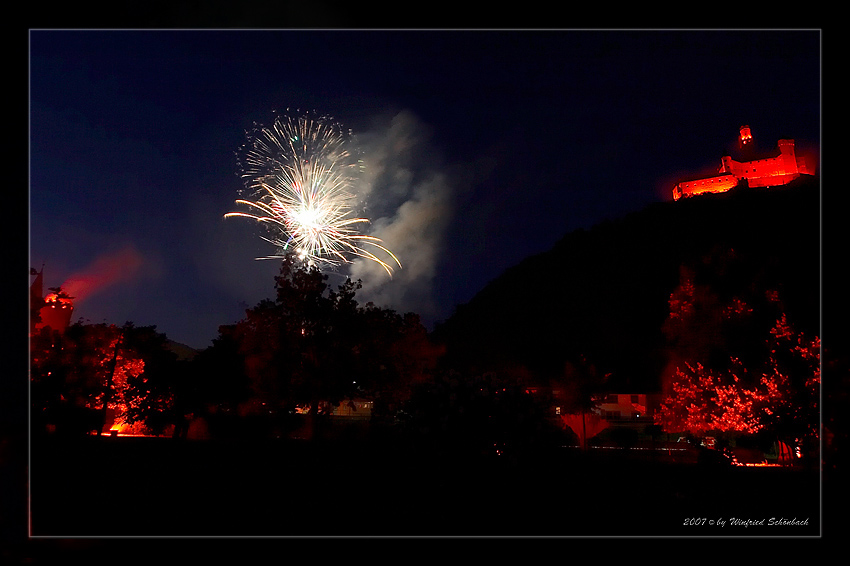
130, 487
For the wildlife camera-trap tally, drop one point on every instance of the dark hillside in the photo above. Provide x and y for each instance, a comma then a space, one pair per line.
604, 292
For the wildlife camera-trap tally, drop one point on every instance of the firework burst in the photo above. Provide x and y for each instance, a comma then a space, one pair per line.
298, 176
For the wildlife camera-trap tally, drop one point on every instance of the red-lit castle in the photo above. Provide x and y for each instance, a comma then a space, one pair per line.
55, 310
765, 171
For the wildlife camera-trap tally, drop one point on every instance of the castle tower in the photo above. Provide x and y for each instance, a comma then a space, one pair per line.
55, 309
37, 286
745, 139
787, 161
36, 293
56, 312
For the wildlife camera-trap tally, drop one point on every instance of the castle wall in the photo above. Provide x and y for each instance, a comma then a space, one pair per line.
772, 180
768, 172
719, 184
805, 165
57, 315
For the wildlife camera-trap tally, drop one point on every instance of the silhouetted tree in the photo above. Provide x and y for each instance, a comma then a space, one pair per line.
291, 345
392, 353
47, 378
216, 382
484, 414
624, 437
583, 385
313, 346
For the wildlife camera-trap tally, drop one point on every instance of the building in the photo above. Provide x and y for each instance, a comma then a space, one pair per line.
56, 310
755, 170
358, 408
639, 407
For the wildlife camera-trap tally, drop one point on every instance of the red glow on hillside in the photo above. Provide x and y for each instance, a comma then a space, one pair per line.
105, 271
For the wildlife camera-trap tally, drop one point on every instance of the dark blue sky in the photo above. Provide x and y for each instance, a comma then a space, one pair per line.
482, 147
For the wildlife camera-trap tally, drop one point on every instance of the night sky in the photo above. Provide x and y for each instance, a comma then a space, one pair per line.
481, 148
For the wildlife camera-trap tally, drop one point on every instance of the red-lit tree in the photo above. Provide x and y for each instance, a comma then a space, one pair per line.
783, 397
739, 365
79, 374
780, 398
91, 372
150, 396
704, 401
791, 405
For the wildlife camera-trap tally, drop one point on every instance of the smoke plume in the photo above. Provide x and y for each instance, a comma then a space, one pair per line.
408, 199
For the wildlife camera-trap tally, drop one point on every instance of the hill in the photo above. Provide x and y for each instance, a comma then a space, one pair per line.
183, 351
604, 293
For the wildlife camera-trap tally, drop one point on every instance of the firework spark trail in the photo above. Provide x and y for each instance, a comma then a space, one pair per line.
299, 173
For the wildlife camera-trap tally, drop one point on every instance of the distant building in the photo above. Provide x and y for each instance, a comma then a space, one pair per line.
628, 406
757, 171
358, 408
56, 311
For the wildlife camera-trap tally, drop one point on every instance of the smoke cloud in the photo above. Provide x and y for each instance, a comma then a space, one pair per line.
409, 201
105, 271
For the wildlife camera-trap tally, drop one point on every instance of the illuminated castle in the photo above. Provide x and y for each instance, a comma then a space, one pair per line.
768, 171
56, 310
